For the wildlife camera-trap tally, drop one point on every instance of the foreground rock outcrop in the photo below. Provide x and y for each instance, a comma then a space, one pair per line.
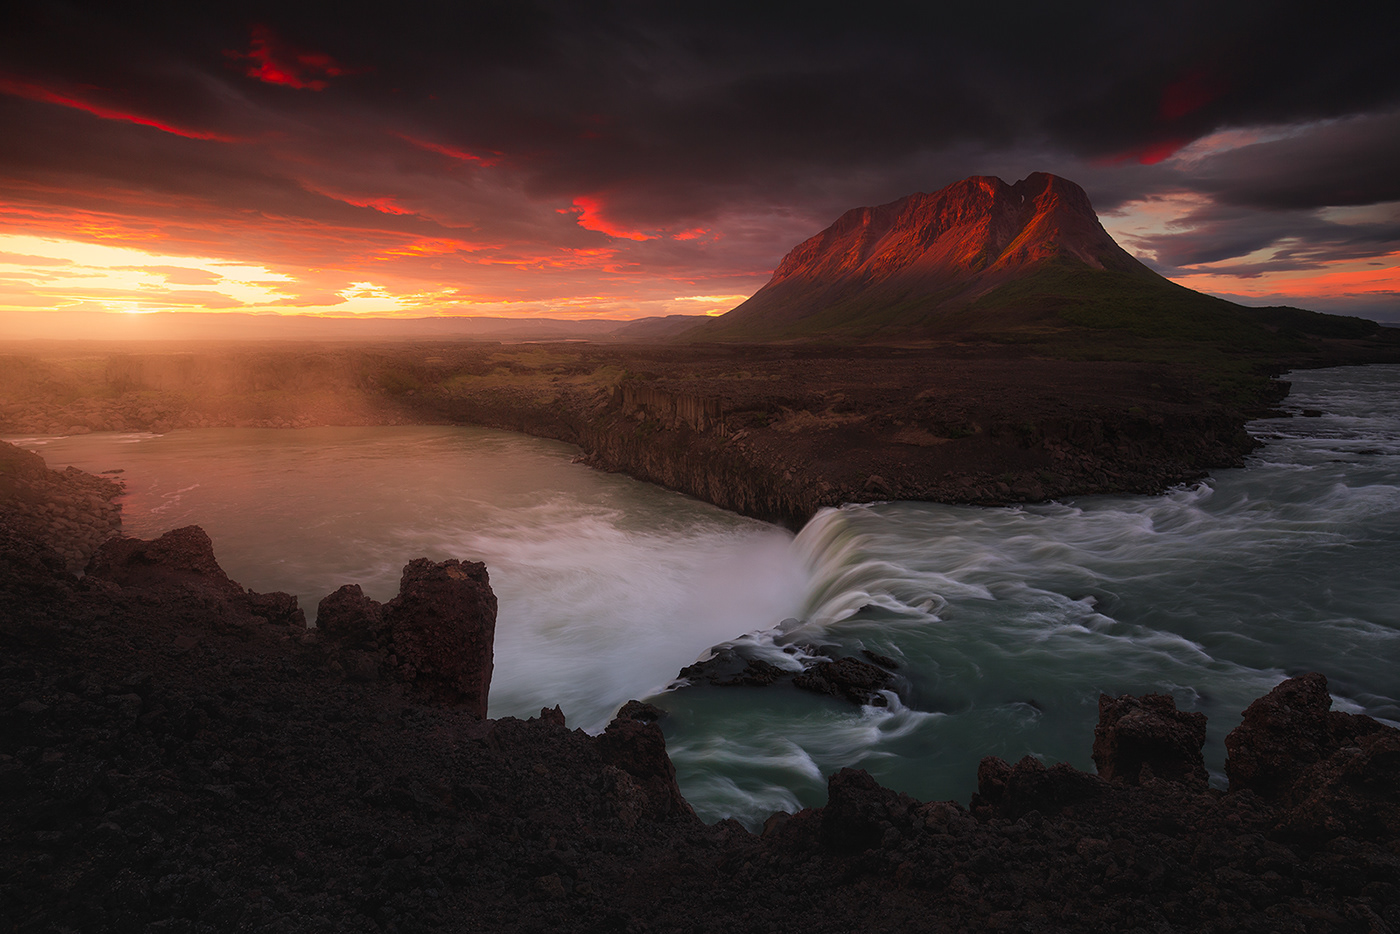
438, 634
73, 511
167, 764
1329, 773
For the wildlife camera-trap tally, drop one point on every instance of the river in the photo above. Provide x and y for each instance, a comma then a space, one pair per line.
1007, 623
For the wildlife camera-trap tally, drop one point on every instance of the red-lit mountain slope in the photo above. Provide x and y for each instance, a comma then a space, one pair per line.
977, 257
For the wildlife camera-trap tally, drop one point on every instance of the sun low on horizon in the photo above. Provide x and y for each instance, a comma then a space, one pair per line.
553, 162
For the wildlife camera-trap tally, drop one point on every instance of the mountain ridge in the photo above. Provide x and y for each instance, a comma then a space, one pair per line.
908, 267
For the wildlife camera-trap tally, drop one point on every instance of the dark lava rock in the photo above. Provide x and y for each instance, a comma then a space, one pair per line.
728, 667
1029, 785
278, 608
638, 710
884, 661
850, 678
638, 748
163, 771
860, 814
179, 558
180, 566
443, 630
1142, 737
847, 678
1286, 731
438, 635
351, 618
1333, 773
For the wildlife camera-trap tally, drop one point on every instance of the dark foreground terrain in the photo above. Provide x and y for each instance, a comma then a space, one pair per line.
179, 754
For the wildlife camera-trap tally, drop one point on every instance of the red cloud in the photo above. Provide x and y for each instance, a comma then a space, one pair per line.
1148, 153
451, 152
35, 92
384, 204
274, 62
590, 217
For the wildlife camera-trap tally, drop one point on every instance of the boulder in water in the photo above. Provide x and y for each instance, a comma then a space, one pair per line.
850, 678
730, 667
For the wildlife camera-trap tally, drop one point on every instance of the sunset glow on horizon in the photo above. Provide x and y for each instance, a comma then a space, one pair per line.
296, 167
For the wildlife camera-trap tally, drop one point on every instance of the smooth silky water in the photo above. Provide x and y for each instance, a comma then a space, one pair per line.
1007, 623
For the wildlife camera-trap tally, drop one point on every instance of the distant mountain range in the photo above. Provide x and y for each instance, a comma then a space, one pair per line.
196, 326
978, 259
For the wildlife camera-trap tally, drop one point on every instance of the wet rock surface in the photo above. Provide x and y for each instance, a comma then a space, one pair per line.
848, 678
162, 770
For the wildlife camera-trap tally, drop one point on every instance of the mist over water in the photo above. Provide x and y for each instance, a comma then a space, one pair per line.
606, 586
1007, 622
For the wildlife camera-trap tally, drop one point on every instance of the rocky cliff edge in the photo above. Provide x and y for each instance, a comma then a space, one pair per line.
176, 756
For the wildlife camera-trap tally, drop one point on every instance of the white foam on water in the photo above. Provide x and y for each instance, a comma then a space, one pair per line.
1213, 592
1006, 623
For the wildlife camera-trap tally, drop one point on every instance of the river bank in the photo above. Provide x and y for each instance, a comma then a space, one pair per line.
770, 431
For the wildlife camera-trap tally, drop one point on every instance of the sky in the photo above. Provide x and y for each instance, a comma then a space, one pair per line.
574, 159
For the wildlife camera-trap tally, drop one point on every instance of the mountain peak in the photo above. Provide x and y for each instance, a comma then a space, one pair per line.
927, 253
972, 225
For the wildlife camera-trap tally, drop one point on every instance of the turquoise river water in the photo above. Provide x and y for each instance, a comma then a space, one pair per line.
1007, 622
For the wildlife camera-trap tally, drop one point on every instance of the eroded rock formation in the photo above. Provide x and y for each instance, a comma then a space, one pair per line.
438, 635
1331, 773
163, 770
179, 567
1140, 738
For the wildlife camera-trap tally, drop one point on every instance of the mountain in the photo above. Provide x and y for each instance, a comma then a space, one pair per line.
979, 258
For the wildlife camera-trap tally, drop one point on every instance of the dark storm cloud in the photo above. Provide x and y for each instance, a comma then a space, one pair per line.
677, 100
499, 121
1300, 240
1341, 162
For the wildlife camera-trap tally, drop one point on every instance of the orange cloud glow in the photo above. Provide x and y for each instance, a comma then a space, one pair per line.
382, 204
438, 246
590, 217
1377, 277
